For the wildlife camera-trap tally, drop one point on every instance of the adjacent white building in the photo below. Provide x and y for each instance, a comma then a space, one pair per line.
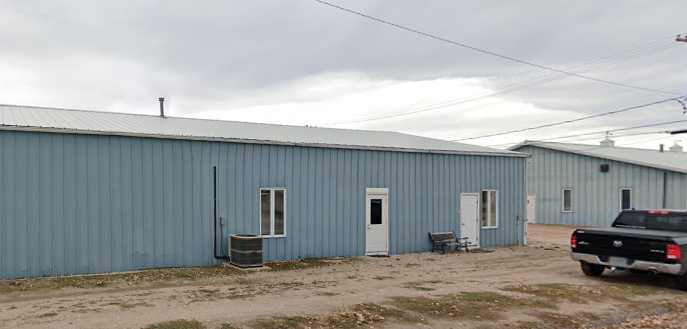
580, 184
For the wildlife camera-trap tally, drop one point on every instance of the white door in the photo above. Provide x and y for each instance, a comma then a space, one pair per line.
531, 208
377, 221
469, 217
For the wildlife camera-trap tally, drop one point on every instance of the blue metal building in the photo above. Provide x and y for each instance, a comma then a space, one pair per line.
89, 192
581, 184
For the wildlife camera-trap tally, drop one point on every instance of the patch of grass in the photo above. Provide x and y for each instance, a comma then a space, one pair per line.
675, 305
528, 325
306, 263
421, 285
471, 306
572, 321
298, 264
359, 316
228, 326
284, 322
328, 293
127, 305
557, 292
382, 277
551, 320
477, 306
368, 316
177, 324
130, 279
624, 291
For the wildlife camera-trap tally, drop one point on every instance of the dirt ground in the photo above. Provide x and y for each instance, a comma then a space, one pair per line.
537, 286
555, 234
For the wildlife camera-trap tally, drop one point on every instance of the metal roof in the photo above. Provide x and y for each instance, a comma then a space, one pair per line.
31, 118
667, 160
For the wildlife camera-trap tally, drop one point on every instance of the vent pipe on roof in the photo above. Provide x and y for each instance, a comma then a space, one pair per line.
660, 148
162, 106
607, 142
676, 147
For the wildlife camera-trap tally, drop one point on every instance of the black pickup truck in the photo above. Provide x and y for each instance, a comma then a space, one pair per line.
639, 240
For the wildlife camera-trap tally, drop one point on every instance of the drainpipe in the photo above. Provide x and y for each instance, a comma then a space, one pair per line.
214, 201
665, 189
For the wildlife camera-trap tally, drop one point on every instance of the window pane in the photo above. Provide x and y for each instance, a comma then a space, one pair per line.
265, 212
667, 222
483, 208
376, 211
279, 212
567, 200
625, 197
492, 208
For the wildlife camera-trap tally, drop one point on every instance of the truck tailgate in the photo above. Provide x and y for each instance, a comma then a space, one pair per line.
606, 244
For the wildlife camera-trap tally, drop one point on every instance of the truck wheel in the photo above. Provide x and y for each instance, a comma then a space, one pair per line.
592, 269
681, 282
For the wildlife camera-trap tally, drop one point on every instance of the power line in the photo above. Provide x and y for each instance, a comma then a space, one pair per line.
644, 140
459, 101
585, 139
655, 132
552, 124
489, 52
618, 129
598, 147
433, 107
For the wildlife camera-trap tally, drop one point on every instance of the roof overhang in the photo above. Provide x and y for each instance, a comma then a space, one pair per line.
257, 141
595, 155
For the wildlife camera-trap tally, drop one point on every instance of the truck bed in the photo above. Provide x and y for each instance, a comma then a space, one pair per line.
631, 243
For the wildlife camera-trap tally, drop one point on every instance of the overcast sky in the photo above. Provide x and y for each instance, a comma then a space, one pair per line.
303, 63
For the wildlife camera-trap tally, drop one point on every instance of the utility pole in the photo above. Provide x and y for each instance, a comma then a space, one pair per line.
682, 38
683, 101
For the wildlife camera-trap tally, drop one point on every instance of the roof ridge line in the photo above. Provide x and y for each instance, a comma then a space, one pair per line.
447, 145
200, 119
593, 145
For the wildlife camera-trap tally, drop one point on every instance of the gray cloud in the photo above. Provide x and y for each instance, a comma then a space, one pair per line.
121, 56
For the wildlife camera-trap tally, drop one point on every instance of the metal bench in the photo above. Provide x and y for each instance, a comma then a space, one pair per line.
442, 241
447, 241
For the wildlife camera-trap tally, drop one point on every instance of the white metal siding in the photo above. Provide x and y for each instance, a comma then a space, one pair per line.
595, 194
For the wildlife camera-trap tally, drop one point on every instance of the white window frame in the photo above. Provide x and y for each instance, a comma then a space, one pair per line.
496, 221
620, 198
572, 200
272, 220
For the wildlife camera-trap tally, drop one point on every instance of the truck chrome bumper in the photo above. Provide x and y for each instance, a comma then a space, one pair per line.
625, 263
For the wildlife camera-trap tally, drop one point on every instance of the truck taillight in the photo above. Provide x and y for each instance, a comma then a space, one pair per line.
573, 240
673, 252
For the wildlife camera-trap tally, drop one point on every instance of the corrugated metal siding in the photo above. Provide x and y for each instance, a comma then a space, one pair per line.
596, 195
73, 204
676, 190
